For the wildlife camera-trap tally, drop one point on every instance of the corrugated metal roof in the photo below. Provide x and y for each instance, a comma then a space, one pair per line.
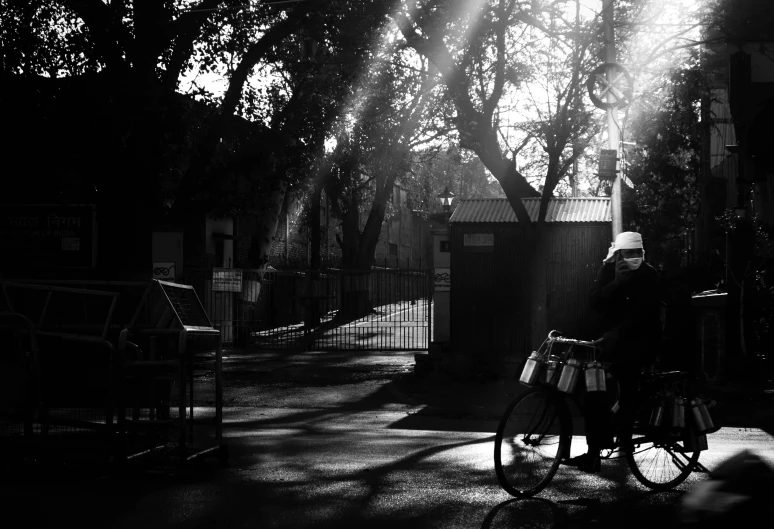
498, 210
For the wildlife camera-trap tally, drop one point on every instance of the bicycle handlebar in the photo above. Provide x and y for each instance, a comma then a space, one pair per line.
553, 336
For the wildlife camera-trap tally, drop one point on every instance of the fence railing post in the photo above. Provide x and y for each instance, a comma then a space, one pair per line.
429, 305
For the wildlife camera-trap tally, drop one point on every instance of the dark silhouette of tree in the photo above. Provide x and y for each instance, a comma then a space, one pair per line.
98, 85
665, 167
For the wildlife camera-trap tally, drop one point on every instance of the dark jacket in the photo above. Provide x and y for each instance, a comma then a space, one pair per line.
630, 314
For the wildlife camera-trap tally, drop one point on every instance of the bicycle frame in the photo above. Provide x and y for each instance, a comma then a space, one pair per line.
660, 455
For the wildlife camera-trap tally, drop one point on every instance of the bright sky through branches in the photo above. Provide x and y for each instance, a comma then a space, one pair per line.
647, 46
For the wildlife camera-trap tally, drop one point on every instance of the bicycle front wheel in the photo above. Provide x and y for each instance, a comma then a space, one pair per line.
659, 463
530, 440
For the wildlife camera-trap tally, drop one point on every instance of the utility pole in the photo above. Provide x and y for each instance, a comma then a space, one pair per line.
613, 130
576, 73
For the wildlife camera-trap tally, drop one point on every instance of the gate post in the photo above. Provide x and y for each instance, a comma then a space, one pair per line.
442, 286
429, 304
309, 315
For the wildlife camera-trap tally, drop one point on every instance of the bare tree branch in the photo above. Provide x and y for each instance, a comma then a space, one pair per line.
257, 51
497, 91
184, 31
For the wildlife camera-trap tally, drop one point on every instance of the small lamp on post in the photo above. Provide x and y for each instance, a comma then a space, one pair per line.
446, 200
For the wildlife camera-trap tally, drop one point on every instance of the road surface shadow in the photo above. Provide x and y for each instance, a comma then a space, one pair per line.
643, 510
529, 512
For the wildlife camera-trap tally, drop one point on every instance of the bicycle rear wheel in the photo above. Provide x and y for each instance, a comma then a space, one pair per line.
658, 462
530, 440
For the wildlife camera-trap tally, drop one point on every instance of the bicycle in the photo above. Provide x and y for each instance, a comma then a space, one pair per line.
536, 430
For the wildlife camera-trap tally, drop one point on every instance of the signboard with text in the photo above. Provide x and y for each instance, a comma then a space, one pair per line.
227, 280
478, 242
48, 235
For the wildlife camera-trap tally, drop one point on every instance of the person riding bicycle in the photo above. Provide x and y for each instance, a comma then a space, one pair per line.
626, 295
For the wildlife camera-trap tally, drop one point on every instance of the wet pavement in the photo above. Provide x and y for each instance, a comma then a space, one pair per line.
352, 439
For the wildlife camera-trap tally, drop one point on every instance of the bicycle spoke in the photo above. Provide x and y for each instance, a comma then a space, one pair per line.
528, 443
661, 465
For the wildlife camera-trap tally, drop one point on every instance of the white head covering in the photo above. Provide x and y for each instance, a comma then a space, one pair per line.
626, 240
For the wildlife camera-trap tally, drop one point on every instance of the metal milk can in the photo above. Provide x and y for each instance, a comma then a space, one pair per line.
569, 377
678, 413
698, 420
532, 368
595, 377
551, 372
701, 417
705, 414
657, 414
693, 441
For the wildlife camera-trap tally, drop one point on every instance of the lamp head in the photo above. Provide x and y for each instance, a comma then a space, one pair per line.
446, 198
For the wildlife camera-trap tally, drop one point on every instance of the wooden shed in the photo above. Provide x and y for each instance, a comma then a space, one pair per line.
490, 270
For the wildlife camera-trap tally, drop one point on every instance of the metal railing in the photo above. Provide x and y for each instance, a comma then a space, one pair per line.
384, 309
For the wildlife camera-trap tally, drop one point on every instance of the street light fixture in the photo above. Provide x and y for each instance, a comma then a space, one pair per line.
446, 199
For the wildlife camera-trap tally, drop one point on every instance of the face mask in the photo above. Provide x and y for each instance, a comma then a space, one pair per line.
633, 263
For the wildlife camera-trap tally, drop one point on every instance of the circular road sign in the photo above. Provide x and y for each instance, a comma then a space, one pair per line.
619, 86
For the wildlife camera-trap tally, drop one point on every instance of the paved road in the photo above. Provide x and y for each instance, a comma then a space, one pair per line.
324, 440
315, 467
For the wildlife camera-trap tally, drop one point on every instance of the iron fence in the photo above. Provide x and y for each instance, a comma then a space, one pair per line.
380, 309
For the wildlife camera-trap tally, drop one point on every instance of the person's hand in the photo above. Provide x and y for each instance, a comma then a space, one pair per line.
622, 271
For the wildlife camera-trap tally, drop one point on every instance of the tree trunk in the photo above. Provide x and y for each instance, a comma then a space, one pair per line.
312, 315
350, 241
355, 300
359, 249
355, 295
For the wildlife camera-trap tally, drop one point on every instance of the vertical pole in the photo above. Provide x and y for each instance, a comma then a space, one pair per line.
576, 74
181, 408
189, 355
429, 306
219, 392
574, 183
287, 236
613, 132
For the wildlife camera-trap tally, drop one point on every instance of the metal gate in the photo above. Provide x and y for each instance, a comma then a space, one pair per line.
381, 309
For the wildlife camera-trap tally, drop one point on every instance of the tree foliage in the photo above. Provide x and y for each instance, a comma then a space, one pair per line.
665, 167
434, 170
742, 19
391, 111
132, 86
